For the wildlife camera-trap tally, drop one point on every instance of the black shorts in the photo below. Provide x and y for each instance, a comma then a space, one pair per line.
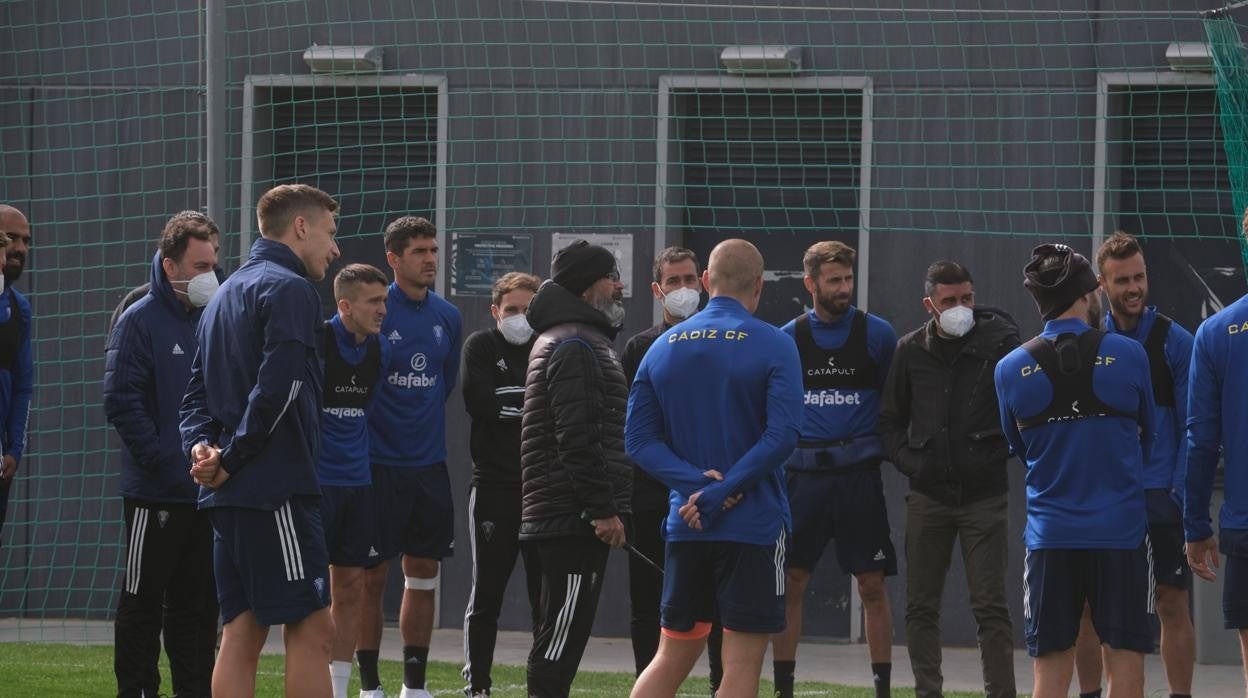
848, 506
272, 563
415, 514
1234, 547
1165, 530
739, 584
1118, 585
349, 513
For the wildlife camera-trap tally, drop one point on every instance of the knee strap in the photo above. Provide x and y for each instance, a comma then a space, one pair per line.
420, 583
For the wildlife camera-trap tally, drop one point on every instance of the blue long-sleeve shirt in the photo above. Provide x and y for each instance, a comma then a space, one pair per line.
1166, 467
1084, 476
834, 422
407, 420
721, 391
256, 383
17, 377
1217, 422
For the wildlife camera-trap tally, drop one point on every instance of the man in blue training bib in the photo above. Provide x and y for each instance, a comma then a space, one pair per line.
835, 487
1077, 408
354, 356
251, 426
721, 452
1216, 414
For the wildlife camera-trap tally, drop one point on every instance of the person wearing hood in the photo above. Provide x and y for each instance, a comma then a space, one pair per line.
168, 585
141, 290
493, 370
940, 425
576, 481
1076, 405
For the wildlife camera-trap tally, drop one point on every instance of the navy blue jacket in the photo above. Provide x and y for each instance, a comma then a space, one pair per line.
17, 383
256, 383
147, 364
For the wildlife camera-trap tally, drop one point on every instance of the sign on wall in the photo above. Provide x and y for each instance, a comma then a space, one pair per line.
621, 245
478, 259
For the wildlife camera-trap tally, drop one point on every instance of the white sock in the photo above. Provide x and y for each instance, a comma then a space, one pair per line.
340, 673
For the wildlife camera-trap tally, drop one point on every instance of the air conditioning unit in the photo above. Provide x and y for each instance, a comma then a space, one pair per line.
1190, 56
343, 59
756, 60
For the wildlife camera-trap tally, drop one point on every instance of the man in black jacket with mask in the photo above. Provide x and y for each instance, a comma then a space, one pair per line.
941, 426
576, 481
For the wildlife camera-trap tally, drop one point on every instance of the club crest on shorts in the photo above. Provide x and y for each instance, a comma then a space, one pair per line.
162, 517
319, 583
487, 529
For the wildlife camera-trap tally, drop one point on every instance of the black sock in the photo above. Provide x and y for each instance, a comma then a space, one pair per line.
369, 680
414, 661
783, 673
882, 674
1180, 695
1091, 694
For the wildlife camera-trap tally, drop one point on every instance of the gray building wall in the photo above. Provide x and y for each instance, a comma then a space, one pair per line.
983, 123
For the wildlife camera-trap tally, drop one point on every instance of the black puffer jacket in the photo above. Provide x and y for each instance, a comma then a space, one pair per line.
940, 421
572, 436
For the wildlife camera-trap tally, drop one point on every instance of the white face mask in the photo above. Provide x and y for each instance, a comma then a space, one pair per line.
957, 321
515, 329
681, 303
201, 288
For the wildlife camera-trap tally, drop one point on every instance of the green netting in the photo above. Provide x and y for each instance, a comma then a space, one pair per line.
912, 130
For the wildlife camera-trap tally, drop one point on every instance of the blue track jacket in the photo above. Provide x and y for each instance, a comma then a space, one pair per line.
721, 390
16, 384
255, 388
1217, 423
1085, 478
147, 364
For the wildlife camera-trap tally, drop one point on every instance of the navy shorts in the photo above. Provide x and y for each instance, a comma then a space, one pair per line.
739, 584
1118, 586
415, 514
1165, 530
350, 516
844, 505
1234, 547
272, 563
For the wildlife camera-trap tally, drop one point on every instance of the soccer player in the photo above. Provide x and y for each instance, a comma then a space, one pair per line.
576, 482
1077, 408
1216, 414
354, 356
407, 447
17, 366
835, 487
251, 426
496, 361
941, 424
724, 463
168, 582
1124, 280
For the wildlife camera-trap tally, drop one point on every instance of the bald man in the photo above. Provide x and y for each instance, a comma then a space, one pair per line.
17, 370
729, 514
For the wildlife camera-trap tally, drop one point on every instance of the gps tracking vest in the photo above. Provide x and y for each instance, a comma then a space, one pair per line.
348, 386
1073, 394
1155, 347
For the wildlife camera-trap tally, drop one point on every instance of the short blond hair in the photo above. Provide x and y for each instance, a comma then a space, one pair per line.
827, 252
512, 281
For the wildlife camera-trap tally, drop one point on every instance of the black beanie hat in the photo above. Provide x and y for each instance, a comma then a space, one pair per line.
1057, 276
579, 265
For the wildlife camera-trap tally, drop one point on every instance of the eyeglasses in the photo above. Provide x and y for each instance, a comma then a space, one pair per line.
614, 276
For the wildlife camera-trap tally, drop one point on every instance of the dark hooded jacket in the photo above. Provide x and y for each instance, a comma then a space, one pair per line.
939, 418
147, 364
572, 457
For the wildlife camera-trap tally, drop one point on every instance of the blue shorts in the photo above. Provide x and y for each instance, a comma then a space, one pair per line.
1234, 547
272, 563
1165, 531
747, 582
415, 514
350, 516
847, 506
1118, 586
